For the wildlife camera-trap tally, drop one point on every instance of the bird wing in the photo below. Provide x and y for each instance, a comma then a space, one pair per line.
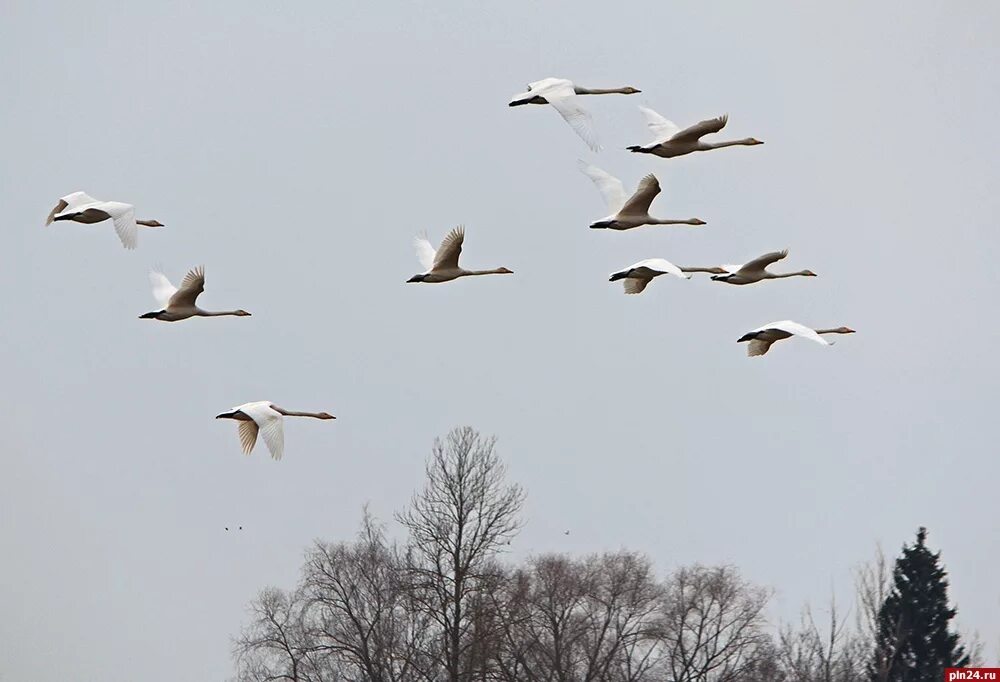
123, 216
663, 266
162, 288
635, 285
758, 264
661, 128
692, 133
425, 251
59, 208
758, 347
191, 287
610, 187
447, 254
638, 203
248, 436
270, 425
71, 201
548, 83
578, 118
796, 329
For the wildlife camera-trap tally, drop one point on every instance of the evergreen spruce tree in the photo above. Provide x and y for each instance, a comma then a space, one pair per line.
914, 643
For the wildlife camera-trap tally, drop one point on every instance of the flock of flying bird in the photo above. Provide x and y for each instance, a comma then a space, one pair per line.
441, 265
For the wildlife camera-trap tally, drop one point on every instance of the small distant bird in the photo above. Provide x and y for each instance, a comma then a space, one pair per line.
561, 94
756, 270
633, 212
267, 418
670, 140
566, 533
180, 304
638, 275
442, 265
761, 338
82, 208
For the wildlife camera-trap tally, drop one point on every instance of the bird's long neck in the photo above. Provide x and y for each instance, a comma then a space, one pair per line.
294, 413
747, 141
669, 221
713, 270
782, 275
599, 91
830, 331
148, 223
494, 271
221, 313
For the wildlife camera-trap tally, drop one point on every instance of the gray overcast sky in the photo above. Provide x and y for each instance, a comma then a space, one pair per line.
296, 149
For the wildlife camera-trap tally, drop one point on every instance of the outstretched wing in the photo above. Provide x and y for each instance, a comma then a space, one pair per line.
191, 287
706, 127
661, 128
59, 208
450, 249
578, 118
758, 347
425, 252
123, 216
638, 203
635, 285
796, 329
248, 436
762, 262
661, 266
610, 187
269, 424
162, 288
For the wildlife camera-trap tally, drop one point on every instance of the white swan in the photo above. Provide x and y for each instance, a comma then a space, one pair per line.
670, 141
561, 94
756, 270
268, 419
81, 208
626, 214
638, 275
180, 304
761, 338
442, 265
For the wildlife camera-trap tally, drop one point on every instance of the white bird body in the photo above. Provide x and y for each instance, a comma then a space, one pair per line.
266, 418
756, 270
633, 211
638, 275
561, 95
181, 303
761, 338
83, 208
669, 140
442, 265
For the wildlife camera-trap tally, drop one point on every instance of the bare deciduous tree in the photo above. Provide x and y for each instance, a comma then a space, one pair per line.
713, 625
581, 620
273, 647
359, 609
458, 523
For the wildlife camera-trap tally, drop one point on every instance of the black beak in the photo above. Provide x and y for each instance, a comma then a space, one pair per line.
745, 337
617, 276
149, 316
415, 278
224, 415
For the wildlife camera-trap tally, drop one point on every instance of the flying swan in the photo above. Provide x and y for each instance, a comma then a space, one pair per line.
756, 270
761, 338
180, 304
561, 94
638, 275
670, 141
442, 265
268, 419
626, 214
82, 208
